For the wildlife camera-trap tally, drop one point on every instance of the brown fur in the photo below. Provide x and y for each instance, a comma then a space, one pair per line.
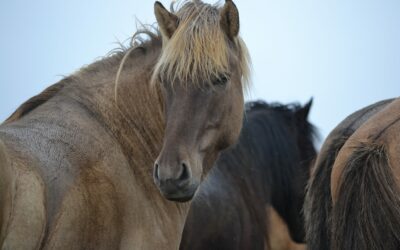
76, 166
230, 20
353, 171
365, 185
279, 236
167, 21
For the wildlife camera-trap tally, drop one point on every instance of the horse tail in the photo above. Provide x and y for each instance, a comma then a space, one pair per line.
318, 203
366, 214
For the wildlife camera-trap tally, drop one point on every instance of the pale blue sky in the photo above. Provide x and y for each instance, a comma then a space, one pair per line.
346, 54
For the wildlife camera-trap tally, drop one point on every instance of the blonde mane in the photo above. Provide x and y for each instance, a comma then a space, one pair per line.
137, 41
190, 54
199, 49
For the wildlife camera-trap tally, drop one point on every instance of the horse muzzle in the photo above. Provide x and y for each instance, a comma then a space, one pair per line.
180, 188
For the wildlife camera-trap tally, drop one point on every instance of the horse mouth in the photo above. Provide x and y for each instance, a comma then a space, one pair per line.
179, 195
180, 199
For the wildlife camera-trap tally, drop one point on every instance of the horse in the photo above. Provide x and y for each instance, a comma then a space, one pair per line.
253, 197
352, 200
95, 160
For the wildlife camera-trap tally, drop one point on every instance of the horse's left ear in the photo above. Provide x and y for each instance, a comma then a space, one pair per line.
230, 19
303, 112
167, 21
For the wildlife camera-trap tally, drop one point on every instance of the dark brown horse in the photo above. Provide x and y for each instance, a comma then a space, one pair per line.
253, 197
76, 161
353, 195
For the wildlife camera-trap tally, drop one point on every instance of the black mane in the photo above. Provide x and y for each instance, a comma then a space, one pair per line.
269, 165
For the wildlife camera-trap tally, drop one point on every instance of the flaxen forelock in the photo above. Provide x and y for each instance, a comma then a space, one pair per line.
199, 50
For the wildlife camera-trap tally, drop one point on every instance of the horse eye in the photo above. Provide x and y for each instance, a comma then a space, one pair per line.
221, 81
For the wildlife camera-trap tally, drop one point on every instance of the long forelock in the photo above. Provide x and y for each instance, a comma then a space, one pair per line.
199, 51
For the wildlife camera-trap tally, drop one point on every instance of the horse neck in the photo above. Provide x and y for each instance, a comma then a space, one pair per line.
269, 141
135, 117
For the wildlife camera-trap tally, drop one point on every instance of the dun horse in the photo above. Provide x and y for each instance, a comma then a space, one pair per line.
76, 161
353, 197
253, 197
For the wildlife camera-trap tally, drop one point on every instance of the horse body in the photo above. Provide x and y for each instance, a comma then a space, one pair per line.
365, 185
351, 139
253, 197
80, 177
76, 160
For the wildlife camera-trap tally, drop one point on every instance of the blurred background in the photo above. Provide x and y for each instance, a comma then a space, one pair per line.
345, 54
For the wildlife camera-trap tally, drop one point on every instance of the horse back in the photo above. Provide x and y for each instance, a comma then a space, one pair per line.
365, 185
318, 202
381, 130
55, 171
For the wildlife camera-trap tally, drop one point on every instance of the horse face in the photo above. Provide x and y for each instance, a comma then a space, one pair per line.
203, 108
199, 124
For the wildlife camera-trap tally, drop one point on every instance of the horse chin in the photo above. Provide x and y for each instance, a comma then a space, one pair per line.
181, 195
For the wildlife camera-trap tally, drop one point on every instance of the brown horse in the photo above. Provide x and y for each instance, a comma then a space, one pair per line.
353, 197
76, 160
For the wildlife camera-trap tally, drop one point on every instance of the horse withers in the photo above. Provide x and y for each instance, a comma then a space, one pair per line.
76, 161
253, 197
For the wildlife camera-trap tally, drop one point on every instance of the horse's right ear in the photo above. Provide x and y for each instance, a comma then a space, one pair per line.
303, 112
167, 21
230, 19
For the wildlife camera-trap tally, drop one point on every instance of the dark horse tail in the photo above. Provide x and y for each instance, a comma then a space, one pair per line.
318, 203
366, 214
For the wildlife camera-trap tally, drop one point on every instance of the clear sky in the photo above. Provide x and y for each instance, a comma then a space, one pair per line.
345, 54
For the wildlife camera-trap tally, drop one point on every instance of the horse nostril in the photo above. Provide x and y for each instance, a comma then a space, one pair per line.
185, 175
155, 174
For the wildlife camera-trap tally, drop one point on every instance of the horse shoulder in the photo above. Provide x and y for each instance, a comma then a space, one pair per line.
90, 214
22, 205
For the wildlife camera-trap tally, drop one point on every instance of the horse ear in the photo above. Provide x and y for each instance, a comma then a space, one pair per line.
167, 21
230, 19
303, 112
